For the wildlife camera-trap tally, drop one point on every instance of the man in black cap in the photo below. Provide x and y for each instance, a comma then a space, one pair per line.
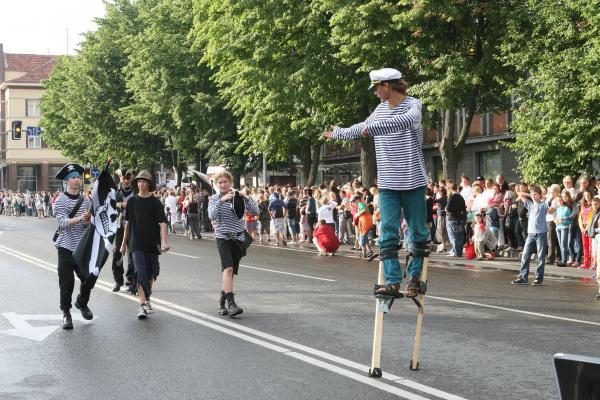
72, 214
124, 193
146, 237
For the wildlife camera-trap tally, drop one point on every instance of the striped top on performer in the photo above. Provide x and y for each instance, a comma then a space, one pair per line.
224, 219
69, 235
398, 137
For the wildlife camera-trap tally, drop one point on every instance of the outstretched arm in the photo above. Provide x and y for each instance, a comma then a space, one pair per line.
398, 123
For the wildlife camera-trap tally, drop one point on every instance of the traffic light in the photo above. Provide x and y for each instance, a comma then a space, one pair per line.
86, 176
16, 130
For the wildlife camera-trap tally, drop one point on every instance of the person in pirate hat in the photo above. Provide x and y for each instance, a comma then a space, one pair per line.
71, 210
226, 210
396, 128
124, 193
146, 236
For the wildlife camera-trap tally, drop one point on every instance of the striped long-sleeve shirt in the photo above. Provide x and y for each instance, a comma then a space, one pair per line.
227, 225
69, 235
398, 137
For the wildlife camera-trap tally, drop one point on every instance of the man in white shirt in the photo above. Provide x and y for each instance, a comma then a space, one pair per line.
466, 191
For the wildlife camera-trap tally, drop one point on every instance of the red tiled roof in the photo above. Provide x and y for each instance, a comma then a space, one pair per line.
37, 67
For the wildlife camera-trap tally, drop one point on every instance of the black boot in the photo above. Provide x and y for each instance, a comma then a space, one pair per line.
232, 308
67, 320
222, 309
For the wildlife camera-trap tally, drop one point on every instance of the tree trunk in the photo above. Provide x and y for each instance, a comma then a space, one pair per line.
315, 155
452, 149
306, 162
368, 164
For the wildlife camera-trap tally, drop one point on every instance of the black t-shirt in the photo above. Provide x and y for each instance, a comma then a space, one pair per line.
292, 204
192, 208
144, 214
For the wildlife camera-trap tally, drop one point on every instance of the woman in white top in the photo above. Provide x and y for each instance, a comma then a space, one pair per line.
171, 209
325, 212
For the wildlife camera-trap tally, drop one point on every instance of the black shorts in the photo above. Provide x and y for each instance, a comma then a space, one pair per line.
230, 253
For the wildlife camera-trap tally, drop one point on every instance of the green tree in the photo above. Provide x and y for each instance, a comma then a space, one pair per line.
449, 51
173, 97
556, 49
85, 93
274, 65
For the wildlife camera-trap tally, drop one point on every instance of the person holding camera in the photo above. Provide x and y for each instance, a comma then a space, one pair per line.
226, 211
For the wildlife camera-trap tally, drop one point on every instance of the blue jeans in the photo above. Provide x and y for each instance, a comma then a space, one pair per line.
456, 235
563, 233
534, 241
392, 205
575, 245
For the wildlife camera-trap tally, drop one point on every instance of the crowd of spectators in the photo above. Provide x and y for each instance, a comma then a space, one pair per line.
480, 219
31, 204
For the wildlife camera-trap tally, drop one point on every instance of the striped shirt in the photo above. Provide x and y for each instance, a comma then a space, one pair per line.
226, 223
398, 137
69, 235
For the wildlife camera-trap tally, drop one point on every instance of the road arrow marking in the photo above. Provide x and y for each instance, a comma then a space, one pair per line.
38, 333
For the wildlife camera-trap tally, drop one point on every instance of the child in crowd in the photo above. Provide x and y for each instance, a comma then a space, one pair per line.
484, 239
563, 220
585, 218
591, 232
325, 239
364, 222
537, 235
492, 219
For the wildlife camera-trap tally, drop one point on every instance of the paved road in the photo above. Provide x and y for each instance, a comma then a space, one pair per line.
305, 334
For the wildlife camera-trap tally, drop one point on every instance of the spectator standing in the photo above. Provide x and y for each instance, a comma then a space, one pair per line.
537, 237
586, 215
564, 220
278, 210
264, 217
456, 213
292, 216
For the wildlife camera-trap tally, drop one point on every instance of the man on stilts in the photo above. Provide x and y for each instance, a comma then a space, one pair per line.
396, 128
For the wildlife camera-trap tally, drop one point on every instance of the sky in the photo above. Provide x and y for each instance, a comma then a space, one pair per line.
43, 26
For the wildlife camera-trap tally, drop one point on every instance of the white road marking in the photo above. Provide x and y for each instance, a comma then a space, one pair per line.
179, 254
264, 269
471, 303
224, 327
287, 273
25, 330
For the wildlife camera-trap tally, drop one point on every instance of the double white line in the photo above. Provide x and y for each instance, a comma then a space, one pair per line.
309, 355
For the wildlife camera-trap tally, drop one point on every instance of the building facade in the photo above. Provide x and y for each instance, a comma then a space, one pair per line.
26, 162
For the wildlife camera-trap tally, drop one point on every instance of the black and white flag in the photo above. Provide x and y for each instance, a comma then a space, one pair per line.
97, 242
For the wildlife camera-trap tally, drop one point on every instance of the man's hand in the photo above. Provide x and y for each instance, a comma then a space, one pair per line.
365, 132
228, 196
86, 217
327, 134
123, 248
165, 247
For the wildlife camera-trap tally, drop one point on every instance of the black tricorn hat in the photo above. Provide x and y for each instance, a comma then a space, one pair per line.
238, 206
67, 169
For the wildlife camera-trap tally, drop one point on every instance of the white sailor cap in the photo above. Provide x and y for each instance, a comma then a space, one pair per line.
384, 75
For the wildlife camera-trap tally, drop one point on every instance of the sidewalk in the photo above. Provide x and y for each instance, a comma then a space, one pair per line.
499, 263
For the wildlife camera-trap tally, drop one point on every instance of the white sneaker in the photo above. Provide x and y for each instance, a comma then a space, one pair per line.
142, 314
148, 307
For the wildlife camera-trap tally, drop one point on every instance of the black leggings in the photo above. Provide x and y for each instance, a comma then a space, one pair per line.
66, 280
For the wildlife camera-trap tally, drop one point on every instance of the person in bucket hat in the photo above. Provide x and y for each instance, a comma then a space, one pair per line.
227, 214
146, 236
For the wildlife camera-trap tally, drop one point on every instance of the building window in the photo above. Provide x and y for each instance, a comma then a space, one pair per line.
33, 108
26, 179
34, 139
53, 183
490, 164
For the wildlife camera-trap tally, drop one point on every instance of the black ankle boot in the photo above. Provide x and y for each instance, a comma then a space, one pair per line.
222, 309
232, 308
